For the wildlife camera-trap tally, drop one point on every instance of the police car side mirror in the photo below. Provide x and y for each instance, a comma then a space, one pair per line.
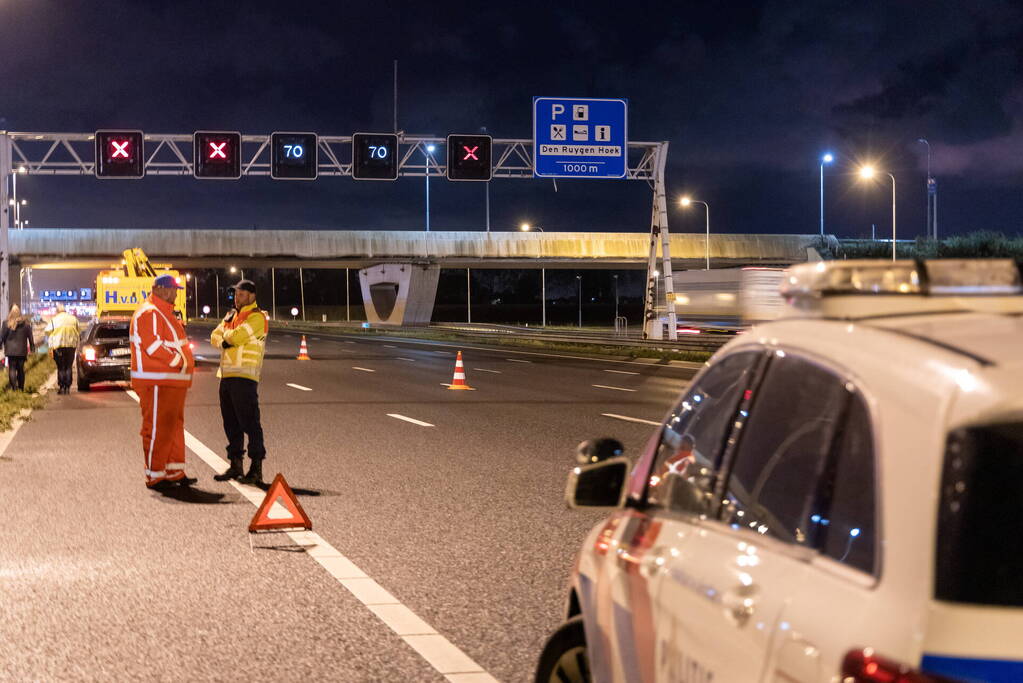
600, 485
598, 450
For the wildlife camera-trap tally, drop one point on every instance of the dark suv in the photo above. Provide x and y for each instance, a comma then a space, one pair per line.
104, 354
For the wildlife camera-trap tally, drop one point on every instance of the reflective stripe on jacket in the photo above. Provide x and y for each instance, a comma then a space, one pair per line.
246, 333
63, 331
160, 354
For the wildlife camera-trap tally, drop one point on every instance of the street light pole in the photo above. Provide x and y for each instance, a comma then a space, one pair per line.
301, 290
526, 227
579, 278
893, 215
686, 201
273, 293
429, 152
217, 297
468, 297
826, 159
869, 172
616, 298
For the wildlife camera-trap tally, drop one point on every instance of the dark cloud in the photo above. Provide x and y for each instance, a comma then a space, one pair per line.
748, 95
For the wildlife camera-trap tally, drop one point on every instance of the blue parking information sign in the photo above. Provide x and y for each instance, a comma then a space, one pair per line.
580, 138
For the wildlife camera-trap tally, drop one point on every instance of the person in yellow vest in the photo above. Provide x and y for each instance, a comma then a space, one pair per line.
62, 336
241, 338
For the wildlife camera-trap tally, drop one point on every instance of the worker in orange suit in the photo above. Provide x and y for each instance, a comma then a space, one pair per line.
161, 373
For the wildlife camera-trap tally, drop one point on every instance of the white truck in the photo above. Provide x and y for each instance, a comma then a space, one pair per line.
727, 299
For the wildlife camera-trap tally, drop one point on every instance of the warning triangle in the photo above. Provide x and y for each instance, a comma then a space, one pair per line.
280, 509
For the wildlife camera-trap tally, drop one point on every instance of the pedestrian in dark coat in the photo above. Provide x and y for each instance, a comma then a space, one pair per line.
17, 342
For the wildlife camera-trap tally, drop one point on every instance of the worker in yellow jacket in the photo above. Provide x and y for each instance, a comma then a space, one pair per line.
62, 337
241, 338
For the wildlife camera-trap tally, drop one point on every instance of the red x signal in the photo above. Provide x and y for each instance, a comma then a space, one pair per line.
217, 150
470, 153
120, 149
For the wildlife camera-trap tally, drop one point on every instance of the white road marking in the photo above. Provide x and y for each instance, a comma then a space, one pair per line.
314, 339
496, 372
390, 346
516, 360
631, 419
604, 386
414, 421
298, 386
354, 367
438, 651
410, 360
622, 372
350, 342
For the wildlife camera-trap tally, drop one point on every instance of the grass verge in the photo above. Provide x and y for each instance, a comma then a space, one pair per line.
38, 369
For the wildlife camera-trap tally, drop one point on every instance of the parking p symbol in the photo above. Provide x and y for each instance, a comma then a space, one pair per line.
557, 110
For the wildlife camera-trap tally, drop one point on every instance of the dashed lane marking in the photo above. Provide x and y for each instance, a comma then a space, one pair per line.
314, 339
496, 372
390, 346
435, 649
355, 367
298, 386
516, 360
631, 419
604, 386
410, 360
414, 421
622, 372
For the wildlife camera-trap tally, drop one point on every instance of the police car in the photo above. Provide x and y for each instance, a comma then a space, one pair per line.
837, 496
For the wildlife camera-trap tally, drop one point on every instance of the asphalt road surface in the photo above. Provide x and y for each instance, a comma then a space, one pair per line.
441, 545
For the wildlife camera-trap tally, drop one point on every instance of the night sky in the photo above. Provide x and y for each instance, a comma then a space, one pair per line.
749, 96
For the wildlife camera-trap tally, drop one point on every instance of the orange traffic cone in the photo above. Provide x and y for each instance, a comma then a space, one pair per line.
459, 381
303, 350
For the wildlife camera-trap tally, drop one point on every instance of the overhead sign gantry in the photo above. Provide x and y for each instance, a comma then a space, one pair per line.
228, 155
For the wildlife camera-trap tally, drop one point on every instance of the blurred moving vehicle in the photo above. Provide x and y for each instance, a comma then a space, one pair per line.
104, 354
724, 300
835, 497
120, 290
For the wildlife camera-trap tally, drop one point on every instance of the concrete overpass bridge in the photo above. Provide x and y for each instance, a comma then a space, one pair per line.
398, 269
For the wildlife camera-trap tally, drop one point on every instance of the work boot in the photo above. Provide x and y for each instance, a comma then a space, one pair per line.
254, 477
186, 481
235, 471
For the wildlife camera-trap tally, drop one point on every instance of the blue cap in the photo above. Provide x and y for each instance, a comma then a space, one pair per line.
168, 281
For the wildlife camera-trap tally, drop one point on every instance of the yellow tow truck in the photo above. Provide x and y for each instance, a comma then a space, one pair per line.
119, 290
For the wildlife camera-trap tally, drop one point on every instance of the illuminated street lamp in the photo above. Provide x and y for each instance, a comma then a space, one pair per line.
685, 202
429, 156
526, 227
868, 172
826, 159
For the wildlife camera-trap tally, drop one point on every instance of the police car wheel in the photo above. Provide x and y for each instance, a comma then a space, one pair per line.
564, 658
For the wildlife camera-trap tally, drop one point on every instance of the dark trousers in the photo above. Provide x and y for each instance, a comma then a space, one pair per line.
239, 406
65, 359
16, 372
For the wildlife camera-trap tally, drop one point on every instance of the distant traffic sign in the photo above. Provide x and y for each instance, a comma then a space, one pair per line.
293, 156
374, 156
120, 154
217, 155
580, 138
469, 157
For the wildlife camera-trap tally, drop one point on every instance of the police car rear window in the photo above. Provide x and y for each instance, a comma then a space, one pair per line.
980, 518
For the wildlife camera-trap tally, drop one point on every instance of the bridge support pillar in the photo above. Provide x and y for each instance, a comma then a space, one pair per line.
399, 293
